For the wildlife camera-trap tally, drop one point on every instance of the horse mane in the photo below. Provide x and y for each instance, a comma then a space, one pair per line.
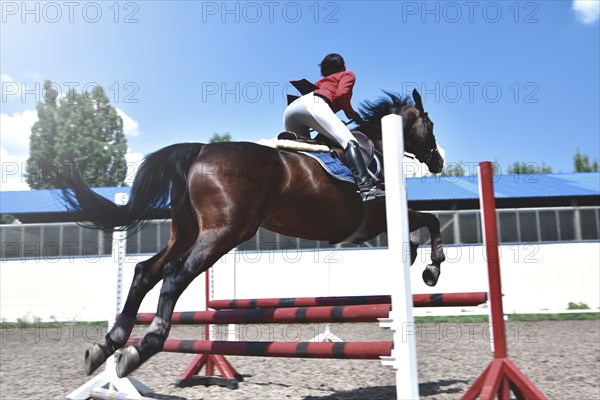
372, 112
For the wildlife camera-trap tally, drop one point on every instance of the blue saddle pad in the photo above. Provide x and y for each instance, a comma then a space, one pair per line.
332, 165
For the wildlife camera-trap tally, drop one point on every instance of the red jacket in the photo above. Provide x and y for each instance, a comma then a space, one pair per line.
337, 89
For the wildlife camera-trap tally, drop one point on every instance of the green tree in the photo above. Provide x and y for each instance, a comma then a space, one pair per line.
226, 137
528, 168
81, 128
582, 163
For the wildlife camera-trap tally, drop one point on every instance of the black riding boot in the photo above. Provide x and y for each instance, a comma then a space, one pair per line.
366, 183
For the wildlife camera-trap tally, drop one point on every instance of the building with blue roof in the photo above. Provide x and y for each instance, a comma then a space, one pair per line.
541, 208
424, 193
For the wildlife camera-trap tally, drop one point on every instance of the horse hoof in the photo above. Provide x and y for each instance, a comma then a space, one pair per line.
94, 357
128, 360
431, 275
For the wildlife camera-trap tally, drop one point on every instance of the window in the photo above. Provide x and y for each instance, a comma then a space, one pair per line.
469, 227
507, 221
566, 224
52, 241
528, 226
71, 242
12, 241
515, 225
548, 226
91, 243
447, 222
589, 224
31, 245
165, 232
148, 238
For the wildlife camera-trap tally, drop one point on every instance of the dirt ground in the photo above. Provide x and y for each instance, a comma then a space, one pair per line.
561, 358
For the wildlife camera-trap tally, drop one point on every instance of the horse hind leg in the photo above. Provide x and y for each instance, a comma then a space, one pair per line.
177, 276
146, 275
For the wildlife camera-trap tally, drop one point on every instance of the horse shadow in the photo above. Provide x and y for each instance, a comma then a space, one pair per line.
159, 396
446, 386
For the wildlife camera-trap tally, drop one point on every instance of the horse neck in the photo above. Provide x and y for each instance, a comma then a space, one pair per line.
409, 114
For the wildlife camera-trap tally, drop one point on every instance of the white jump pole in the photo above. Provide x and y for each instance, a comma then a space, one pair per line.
401, 320
108, 378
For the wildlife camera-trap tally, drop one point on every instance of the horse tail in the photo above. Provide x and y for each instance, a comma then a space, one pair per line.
162, 173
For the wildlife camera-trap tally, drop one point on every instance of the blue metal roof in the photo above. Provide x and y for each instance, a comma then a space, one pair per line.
426, 188
505, 186
43, 201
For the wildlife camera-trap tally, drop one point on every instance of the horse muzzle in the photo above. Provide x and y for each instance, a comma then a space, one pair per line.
435, 162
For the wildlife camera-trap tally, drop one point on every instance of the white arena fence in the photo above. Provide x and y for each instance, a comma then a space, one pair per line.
535, 277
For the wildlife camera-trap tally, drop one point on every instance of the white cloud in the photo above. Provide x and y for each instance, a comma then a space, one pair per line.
587, 11
13, 171
15, 130
131, 127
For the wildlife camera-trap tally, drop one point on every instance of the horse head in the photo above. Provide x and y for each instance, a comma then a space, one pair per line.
418, 128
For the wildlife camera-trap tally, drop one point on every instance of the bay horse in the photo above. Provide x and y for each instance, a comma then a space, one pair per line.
221, 193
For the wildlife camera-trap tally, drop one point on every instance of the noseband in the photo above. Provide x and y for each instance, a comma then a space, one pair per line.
425, 157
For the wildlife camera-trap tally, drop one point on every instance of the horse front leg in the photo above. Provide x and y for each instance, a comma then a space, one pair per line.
415, 242
418, 220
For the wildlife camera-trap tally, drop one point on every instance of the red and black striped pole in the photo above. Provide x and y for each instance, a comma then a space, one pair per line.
337, 350
419, 300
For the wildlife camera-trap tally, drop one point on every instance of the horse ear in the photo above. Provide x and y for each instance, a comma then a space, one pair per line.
417, 99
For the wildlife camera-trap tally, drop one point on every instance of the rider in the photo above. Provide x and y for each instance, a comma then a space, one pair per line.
317, 110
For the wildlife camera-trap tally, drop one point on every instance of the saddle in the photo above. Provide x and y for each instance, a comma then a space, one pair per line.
367, 148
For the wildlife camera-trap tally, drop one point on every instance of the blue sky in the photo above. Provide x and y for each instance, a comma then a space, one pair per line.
504, 81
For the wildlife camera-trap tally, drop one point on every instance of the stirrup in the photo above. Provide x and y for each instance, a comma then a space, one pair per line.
371, 193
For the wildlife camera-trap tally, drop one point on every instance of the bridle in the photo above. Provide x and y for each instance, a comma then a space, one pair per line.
426, 155
423, 156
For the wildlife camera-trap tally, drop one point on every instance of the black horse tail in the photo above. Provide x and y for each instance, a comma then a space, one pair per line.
162, 173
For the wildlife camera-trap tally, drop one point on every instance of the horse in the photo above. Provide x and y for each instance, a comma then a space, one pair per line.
217, 204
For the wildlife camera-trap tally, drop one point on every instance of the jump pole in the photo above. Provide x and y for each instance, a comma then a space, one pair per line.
127, 388
404, 355
229, 377
502, 375
463, 299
